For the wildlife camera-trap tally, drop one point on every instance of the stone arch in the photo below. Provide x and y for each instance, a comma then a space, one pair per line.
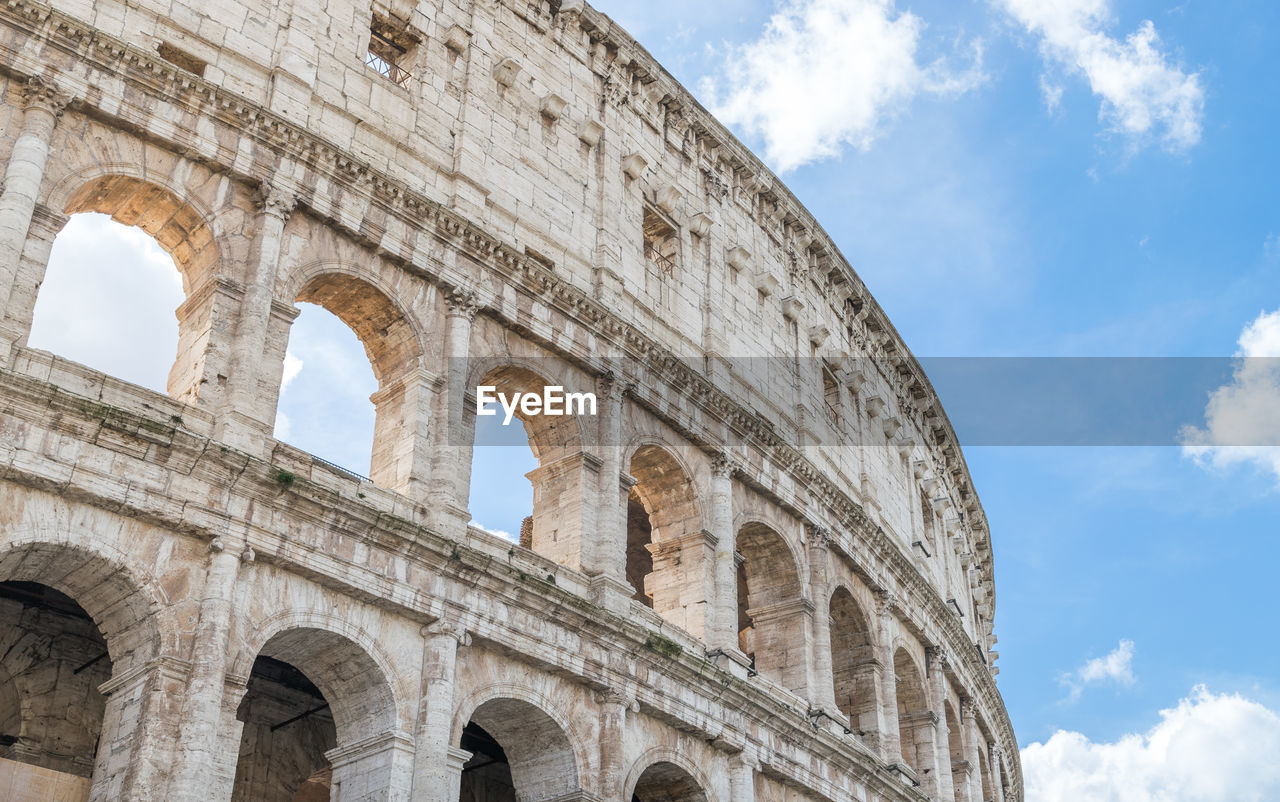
123, 603
393, 342
915, 723
544, 759
773, 616
183, 227
101, 658
566, 479
956, 757
392, 691
663, 775
669, 551
853, 665
320, 697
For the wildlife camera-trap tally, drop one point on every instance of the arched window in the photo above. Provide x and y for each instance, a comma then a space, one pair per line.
915, 727
667, 782
312, 691
773, 611
517, 752
55, 659
679, 555
554, 493
853, 666
108, 301
327, 378
325, 405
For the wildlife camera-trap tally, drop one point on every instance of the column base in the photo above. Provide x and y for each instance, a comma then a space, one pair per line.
612, 594
731, 660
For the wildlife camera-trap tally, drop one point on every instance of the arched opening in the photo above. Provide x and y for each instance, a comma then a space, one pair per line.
955, 748
325, 367
95, 261
984, 767
110, 284
317, 713
667, 782
853, 666
775, 616
680, 553
324, 405
52, 660
518, 752
549, 508
915, 725
288, 729
70, 620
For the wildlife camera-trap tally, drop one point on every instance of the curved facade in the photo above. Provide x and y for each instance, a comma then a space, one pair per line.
759, 572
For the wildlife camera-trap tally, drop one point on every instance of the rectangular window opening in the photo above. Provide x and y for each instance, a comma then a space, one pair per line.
390, 50
661, 243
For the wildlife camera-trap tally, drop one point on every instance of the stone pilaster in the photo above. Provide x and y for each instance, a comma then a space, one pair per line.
248, 405
742, 777
434, 779
890, 739
724, 612
614, 706
937, 660
194, 776
821, 677
997, 772
42, 105
451, 463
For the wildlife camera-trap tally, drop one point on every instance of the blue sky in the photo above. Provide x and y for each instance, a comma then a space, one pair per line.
1066, 178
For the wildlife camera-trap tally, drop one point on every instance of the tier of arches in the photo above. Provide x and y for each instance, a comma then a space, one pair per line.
245, 264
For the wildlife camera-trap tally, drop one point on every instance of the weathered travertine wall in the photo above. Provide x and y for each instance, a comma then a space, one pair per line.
760, 571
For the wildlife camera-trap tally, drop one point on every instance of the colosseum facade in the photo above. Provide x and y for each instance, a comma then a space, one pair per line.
759, 572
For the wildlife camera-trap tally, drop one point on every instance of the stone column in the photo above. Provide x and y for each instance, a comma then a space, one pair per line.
248, 407
434, 779
890, 739
451, 463
614, 706
971, 791
937, 668
742, 777
194, 776
402, 436
42, 105
822, 684
997, 772
724, 613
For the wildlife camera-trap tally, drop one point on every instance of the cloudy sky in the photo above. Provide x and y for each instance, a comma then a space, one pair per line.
1010, 178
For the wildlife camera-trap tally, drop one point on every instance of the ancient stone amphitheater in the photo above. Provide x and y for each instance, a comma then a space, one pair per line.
759, 572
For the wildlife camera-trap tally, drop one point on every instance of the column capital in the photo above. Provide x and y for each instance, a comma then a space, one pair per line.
619, 697
449, 629
819, 537
462, 302
274, 199
612, 387
39, 94
936, 657
887, 603
724, 465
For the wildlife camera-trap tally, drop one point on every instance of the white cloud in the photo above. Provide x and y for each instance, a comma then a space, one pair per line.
827, 73
1242, 426
107, 301
1144, 94
1210, 748
292, 367
502, 533
1114, 668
